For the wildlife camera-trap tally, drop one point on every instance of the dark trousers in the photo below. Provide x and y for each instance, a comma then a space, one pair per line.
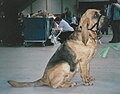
64, 35
116, 30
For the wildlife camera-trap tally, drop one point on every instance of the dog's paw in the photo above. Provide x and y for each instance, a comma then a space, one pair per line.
68, 84
91, 78
87, 84
73, 84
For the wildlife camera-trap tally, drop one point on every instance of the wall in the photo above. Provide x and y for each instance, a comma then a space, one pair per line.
36, 6
55, 6
39, 5
26, 11
91, 0
71, 4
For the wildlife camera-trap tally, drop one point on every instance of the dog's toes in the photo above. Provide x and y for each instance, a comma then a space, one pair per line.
91, 78
73, 84
68, 84
88, 84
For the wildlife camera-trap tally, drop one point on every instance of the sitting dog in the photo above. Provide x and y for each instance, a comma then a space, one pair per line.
72, 56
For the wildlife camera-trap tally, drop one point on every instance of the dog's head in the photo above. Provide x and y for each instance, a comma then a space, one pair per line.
91, 23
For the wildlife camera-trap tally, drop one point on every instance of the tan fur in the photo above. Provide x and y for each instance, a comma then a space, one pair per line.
84, 47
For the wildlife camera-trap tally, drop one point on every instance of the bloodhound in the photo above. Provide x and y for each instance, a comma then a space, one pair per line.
72, 56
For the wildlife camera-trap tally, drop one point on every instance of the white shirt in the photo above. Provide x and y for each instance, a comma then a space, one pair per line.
66, 27
117, 5
74, 20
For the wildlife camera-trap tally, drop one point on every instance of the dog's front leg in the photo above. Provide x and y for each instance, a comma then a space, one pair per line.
84, 73
90, 78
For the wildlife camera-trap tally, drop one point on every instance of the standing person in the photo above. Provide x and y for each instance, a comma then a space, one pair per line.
74, 22
104, 12
67, 15
74, 19
67, 29
114, 16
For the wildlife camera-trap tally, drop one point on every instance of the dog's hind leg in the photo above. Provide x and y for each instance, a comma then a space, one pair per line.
60, 81
59, 76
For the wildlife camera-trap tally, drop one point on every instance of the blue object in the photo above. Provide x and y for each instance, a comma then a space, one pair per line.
36, 29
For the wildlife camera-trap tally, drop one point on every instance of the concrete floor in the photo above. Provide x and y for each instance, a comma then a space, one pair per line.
28, 64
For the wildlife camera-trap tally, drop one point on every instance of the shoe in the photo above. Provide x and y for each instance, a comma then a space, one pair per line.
112, 42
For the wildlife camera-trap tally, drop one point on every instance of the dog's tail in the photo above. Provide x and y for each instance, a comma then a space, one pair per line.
37, 83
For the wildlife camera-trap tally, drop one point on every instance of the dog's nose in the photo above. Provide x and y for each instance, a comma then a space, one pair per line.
102, 12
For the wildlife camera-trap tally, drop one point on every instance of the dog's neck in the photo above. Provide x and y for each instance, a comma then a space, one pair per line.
91, 29
92, 38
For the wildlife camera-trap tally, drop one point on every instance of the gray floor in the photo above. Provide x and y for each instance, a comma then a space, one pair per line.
27, 64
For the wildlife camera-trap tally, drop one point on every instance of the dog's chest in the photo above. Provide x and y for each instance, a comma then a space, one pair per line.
81, 51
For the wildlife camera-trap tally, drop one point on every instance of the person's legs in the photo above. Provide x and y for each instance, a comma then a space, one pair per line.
118, 31
106, 31
64, 35
114, 30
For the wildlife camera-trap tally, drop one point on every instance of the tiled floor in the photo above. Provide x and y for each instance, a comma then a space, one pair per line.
28, 64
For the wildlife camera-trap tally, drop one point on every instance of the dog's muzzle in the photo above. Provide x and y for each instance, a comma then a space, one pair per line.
100, 24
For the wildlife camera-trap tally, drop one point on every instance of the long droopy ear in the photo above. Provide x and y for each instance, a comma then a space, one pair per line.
84, 30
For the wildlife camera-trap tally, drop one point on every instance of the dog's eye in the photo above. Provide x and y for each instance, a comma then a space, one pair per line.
96, 15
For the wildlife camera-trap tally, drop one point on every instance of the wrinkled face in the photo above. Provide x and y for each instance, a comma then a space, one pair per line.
96, 17
96, 21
